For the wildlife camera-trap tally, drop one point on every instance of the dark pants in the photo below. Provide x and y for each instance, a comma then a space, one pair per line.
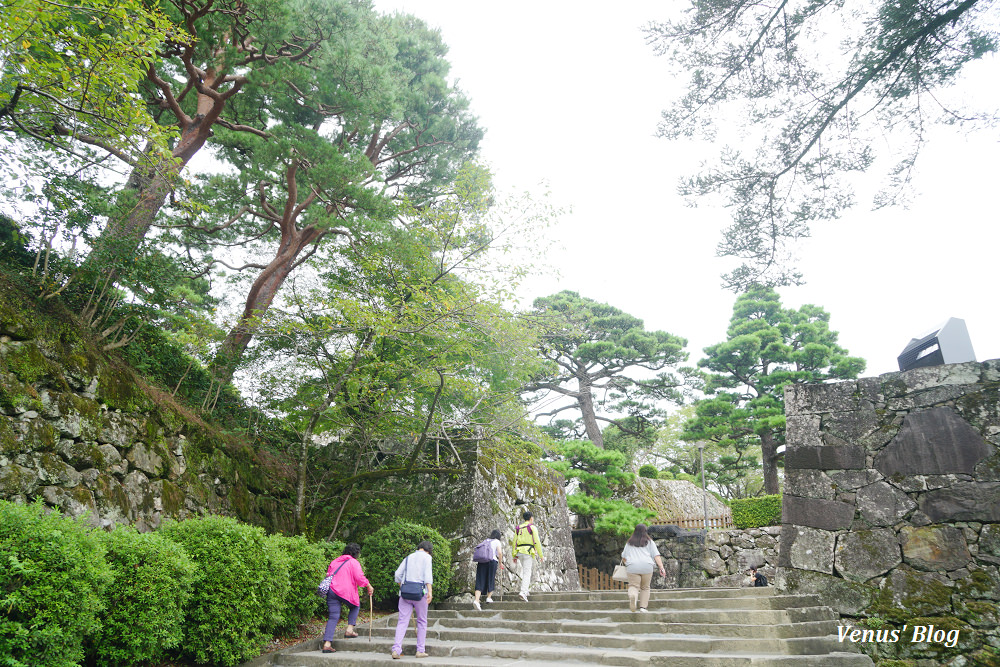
333, 602
486, 574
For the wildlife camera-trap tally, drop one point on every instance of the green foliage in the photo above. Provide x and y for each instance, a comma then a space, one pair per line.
239, 589
812, 86
649, 470
756, 512
598, 347
52, 582
600, 473
768, 347
306, 564
74, 70
151, 584
386, 548
609, 516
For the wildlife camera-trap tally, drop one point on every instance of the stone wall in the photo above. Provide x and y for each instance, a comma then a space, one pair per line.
498, 503
80, 432
892, 505
719, 560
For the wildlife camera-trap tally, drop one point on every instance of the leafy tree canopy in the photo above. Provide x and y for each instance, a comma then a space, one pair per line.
602, 349
813, 82
768, 347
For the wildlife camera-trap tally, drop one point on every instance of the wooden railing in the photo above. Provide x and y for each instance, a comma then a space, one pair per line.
696, 522
591, 579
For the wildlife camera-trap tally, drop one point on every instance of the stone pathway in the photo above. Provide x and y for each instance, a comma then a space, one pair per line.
705, 627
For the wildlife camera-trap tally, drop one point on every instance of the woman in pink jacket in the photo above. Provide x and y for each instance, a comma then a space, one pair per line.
347, 577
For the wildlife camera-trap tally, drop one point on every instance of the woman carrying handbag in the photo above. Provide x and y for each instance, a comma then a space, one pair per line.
640, 555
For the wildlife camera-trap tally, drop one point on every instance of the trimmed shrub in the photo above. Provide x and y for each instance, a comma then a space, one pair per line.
386, 548
306, 565
145, 600
756, 512
52, 581
236, 587
649, 470
615, 517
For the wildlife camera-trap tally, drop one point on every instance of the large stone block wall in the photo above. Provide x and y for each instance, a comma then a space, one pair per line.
82, 433
691, 559
892, 506
498, 502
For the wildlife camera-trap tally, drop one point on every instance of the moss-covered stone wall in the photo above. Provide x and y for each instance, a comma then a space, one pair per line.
80, 432
892, 509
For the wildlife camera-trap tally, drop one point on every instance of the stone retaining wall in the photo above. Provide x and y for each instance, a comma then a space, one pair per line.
892, 505
691, 560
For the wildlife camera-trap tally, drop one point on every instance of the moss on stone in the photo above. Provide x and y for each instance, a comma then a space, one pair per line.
173, 499
918, 596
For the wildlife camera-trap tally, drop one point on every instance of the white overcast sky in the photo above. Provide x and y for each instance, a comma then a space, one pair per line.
570, 94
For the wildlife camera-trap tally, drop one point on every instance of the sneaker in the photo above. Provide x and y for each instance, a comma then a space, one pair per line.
643, 610
489, 600
396, 656
475, 603
523, 597
421, 655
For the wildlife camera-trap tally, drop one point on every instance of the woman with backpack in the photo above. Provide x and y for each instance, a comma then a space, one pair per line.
486, 570
347, 577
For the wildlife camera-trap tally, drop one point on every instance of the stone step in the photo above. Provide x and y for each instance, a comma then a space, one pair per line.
631, 627
619, 615
689, 628
500, 653
700, 642
751, 602
666, 593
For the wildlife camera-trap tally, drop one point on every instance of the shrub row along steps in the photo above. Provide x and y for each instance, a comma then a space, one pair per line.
703, 627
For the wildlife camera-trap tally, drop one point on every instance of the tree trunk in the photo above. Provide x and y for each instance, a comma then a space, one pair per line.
261, 295
768, 448
586, 401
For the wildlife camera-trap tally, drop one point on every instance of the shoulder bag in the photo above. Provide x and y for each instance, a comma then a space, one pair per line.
410, 590
324, 586
620, 573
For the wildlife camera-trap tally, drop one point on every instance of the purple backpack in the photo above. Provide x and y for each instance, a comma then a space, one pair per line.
483, 553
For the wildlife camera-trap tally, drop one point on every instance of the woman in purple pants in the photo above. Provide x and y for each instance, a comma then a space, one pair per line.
415, 567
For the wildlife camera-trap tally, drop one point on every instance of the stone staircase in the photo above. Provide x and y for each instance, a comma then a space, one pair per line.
704, 627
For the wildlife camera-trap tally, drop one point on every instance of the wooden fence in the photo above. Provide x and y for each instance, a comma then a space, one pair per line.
591, 579
696, 522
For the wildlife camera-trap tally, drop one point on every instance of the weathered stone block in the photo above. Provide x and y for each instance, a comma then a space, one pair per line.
822, 398
814, 513
933, 442
933, 548
850, 480
965, 501
881, 504
852, 425
907, 594
810, 549
989, 541
836, 457
810, 484
867, 553
145, 459
802, 430
844, 596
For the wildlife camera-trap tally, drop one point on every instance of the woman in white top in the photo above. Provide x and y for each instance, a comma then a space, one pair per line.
640, 555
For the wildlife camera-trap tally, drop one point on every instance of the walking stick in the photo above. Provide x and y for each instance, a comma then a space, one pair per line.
371, 617
501, 583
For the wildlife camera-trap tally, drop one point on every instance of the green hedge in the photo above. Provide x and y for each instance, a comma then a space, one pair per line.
649, 471
239, 592
52, 581
145, 601
306, 567
386, 548
756, 512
